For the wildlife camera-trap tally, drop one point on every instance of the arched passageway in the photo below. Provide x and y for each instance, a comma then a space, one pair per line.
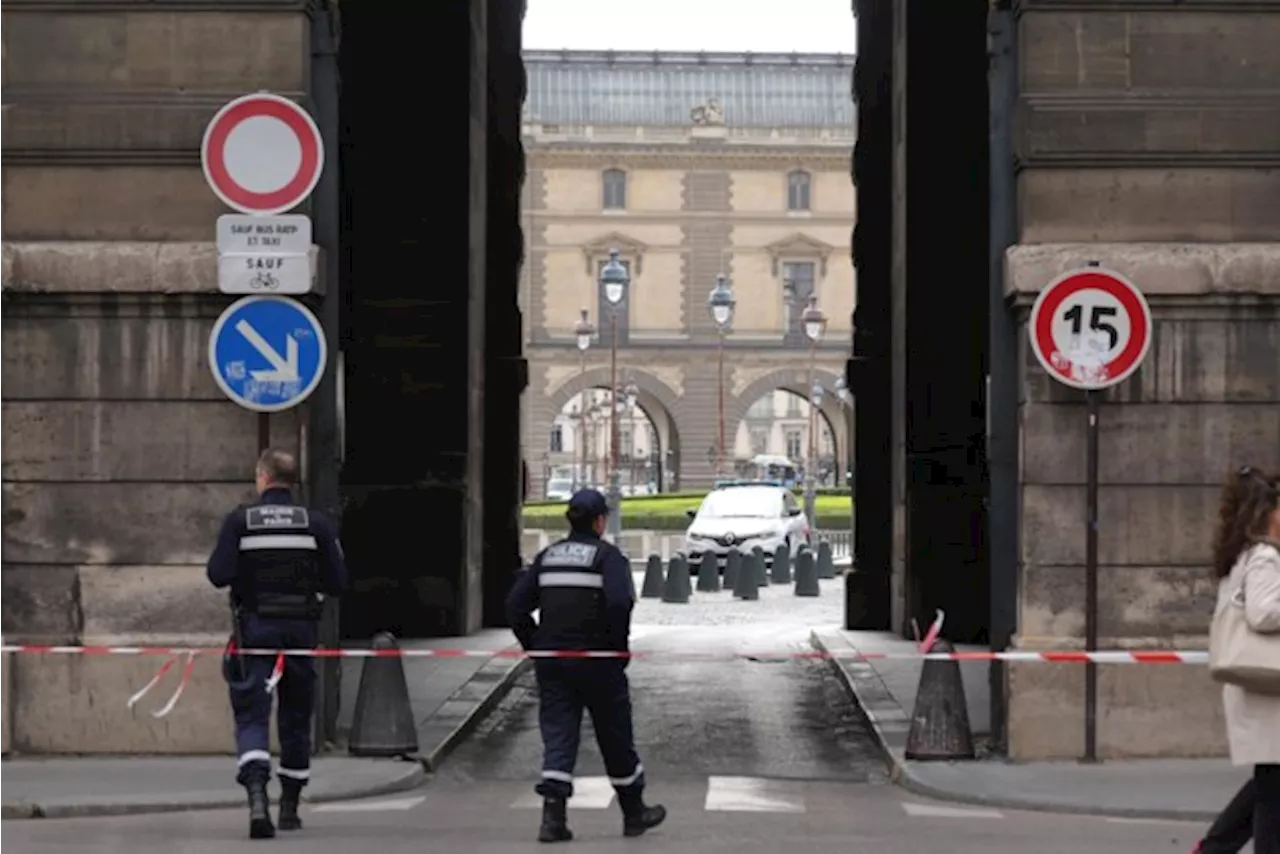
834, 413
579, 444
649, 438
777, 425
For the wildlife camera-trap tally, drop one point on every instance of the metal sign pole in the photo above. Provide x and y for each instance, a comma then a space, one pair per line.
264, 431
1091, 578
1077, 335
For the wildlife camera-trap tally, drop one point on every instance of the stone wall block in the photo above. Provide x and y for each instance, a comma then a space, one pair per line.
1158, 602
1140, 525
1156, 443
1159, 269
1144, 711
1130, 204
76, 704
40, 604
115, 523
111, 268
146, 51
136, 440
155, 605
131, 358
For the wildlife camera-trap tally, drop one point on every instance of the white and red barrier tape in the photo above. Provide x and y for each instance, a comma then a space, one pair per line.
1105, 656
920, 653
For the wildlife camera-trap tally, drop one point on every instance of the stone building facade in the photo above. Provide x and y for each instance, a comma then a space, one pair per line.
1139, 135
1142, 137
690, 165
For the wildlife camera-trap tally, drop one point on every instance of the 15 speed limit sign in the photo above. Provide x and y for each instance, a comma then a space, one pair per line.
1090, 328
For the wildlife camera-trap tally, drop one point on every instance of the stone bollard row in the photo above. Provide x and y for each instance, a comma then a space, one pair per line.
653, 578
758, 554
748, 586
825, 565
709, 573
677, 588
732, 569
780, 573
806, 575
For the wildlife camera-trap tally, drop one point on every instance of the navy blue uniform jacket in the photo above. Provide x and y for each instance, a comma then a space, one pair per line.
224, 564
601, 621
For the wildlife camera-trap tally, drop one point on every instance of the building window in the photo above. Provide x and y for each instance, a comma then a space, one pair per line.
762, 409
798, 191
614, 185
797, 286
626, 442
793, 444
759, 440
557, 438
793, 406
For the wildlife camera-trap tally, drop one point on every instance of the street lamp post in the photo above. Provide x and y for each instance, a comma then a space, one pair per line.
815, 322
614, 280
846, 404
815, 406
583, 330
721, 304
631, 393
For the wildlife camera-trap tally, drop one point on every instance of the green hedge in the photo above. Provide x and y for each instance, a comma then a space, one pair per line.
696, 495
666, 512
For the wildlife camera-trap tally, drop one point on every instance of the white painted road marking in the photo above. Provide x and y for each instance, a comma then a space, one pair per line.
589, 793
370, 806
752, 794
932, 811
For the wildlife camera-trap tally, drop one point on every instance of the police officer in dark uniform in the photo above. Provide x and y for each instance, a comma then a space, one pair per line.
583, 589
279, 560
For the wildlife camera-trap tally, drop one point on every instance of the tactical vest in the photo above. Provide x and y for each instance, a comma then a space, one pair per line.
280, 562
571, 595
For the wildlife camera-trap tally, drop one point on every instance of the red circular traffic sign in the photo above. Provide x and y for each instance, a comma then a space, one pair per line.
262, 154
1090, 328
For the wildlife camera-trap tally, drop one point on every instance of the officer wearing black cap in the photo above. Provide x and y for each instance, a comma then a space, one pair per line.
280, 560
583, 589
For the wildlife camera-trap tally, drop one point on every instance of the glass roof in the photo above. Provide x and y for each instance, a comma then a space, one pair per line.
662, 88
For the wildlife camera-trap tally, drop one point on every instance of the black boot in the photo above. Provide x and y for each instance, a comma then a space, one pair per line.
290, 792
555, 822
260, 826
636, 817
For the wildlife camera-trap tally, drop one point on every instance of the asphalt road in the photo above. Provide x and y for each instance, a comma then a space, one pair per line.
749, 757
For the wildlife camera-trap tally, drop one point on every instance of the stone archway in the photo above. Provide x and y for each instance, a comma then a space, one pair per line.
838, 416
657, 400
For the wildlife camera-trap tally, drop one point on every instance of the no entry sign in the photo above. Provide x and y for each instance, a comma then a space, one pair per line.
262, 154
1090, 328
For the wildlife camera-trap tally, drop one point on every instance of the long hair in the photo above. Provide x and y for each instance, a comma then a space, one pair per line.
1249, 497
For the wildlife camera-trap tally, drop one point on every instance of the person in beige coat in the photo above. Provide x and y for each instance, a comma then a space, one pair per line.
1246, 558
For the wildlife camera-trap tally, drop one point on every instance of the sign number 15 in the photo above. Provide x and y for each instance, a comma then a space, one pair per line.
1098, 315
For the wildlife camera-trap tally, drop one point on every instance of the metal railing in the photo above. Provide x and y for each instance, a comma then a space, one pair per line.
640, 544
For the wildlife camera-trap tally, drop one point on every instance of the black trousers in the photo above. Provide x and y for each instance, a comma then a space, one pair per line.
1253, 813
565, 689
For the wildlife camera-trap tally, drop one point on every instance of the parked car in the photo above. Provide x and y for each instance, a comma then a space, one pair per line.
559, 489
743, 516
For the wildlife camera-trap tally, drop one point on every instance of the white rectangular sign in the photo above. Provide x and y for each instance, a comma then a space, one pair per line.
284, 234
264, 274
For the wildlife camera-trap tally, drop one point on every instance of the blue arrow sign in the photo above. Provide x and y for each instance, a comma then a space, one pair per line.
267, 353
